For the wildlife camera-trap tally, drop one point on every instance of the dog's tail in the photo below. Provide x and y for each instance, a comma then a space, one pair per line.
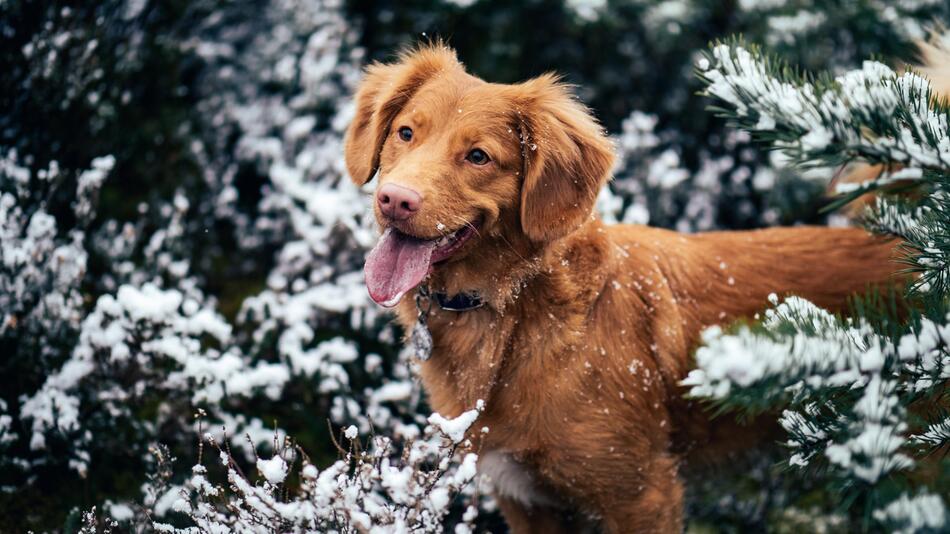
933, 64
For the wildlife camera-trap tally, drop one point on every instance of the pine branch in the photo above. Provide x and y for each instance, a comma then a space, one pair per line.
846, 387
924, 228
872, 114
935, 436
894, 216
798, 346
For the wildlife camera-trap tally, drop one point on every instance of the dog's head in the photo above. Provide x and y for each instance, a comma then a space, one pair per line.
460, 159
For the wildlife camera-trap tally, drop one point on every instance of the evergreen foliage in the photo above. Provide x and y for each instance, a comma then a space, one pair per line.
863, 398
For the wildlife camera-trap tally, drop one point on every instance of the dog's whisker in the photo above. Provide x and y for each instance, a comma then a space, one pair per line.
466, 223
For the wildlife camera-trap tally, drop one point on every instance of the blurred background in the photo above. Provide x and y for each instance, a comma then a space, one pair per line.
178, 234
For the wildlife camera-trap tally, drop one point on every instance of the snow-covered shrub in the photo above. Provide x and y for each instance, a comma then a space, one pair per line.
132, 347
146, 346
372, 488
42, 265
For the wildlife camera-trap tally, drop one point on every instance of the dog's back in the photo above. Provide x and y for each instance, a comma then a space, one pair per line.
689, 282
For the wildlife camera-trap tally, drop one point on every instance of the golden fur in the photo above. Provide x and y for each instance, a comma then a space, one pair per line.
588, 328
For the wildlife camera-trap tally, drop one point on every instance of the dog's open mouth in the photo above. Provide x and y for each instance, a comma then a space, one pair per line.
399, 262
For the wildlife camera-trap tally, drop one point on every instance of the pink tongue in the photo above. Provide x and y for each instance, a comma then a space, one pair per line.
395, 265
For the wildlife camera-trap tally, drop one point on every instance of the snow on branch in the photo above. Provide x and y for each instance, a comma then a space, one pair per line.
871, 113
801, 345
846, 388
935, 436
141, 339
377, 489
846, 385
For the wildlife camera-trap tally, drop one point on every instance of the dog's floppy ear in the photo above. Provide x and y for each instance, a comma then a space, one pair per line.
385, 89
567, 158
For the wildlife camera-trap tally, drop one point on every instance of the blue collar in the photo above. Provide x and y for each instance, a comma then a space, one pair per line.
460, 302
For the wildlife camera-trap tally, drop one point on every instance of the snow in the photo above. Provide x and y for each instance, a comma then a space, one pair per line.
872, 452
585, 9
166, 500
914, 514
149, 302
393, 391
439, 498
456, 428
412, 492
819, 351
206, 321
934, 435
841, 116
309, 472
665, 171
462, 3
121, 512
89, 183
273, 470
786, 29
148, 323
753, 5
299, 127
743, 359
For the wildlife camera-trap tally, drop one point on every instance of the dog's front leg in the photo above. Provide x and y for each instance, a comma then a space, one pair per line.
655, 506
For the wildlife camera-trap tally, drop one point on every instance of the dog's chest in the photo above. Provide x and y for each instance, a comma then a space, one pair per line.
514, 480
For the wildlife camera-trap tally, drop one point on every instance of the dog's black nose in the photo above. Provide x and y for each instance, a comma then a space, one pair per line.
398, 202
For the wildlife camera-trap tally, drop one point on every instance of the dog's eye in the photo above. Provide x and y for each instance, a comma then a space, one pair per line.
478, 156
405, 133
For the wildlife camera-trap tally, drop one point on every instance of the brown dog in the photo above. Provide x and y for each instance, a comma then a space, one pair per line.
586, 329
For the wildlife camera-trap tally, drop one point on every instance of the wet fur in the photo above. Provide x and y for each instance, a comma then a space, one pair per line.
588, 327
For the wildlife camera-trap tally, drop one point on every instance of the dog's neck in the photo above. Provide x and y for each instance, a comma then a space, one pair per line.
472, 355
496, 270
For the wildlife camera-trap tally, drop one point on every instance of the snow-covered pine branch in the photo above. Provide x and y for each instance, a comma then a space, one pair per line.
873, 114
935, 437
850, 389
923, 512
924, 226
847, 388
798, 345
